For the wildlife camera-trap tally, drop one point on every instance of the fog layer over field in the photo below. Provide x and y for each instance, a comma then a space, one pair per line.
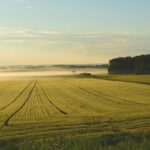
50, 72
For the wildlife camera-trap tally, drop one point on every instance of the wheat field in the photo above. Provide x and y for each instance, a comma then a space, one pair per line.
60, 106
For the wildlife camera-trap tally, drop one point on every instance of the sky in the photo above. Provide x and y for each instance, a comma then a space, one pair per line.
72, 31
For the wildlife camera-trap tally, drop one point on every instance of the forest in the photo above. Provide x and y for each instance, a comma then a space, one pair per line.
130, 65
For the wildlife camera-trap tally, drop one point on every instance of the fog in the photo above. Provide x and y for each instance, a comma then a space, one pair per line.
51, 73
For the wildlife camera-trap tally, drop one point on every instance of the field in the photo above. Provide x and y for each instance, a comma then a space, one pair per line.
53, 107
144, 79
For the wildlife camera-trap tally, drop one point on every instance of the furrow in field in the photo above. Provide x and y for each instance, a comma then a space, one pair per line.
20, 108
22, 113
61, 131
74, 100
26, 109
27, 112
41, 100
133, 94
42, 112
60, 110
5, 113
40, 109
103, 97
31, 108
16, 98
48, 106
87, 128
119, 99
109, 98
11, 93
91, 126
34, 106
92, 88
90, 122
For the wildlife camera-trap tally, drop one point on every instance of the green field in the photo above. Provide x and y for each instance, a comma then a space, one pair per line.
143, 79
74, 107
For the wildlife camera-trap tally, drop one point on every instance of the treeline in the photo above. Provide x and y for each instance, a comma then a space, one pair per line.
130, 65
76, 66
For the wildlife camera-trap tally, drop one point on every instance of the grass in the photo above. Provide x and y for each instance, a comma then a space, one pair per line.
119, 141
71, 106
144, 79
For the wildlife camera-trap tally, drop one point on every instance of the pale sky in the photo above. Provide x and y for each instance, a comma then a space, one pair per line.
72, 31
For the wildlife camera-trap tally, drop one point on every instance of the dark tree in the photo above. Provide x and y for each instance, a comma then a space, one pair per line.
121, 65
128, 65
142, 64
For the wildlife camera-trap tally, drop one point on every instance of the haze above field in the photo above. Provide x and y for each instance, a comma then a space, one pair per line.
51, 70
72, 32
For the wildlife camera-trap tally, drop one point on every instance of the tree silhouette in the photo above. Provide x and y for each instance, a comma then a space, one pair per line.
128, 65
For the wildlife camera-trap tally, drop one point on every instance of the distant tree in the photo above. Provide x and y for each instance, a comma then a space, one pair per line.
142, 64
128, 65
121, 65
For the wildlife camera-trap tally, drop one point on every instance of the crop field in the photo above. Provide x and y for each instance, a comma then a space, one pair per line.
60, 106
144, 79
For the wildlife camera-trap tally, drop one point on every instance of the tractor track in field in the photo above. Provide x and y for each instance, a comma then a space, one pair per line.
16, 98
40, 102
28, 90
26, 107
87, 127
125, 100
36, 108
20, 108
107, 97
96, 95
61, 131
86, 91
38, 93
49, 100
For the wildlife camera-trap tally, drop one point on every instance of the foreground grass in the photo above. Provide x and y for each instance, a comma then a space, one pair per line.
120, 141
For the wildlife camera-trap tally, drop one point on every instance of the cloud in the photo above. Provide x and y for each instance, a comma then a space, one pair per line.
94, 44
23, 33
7, 33
88, 38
